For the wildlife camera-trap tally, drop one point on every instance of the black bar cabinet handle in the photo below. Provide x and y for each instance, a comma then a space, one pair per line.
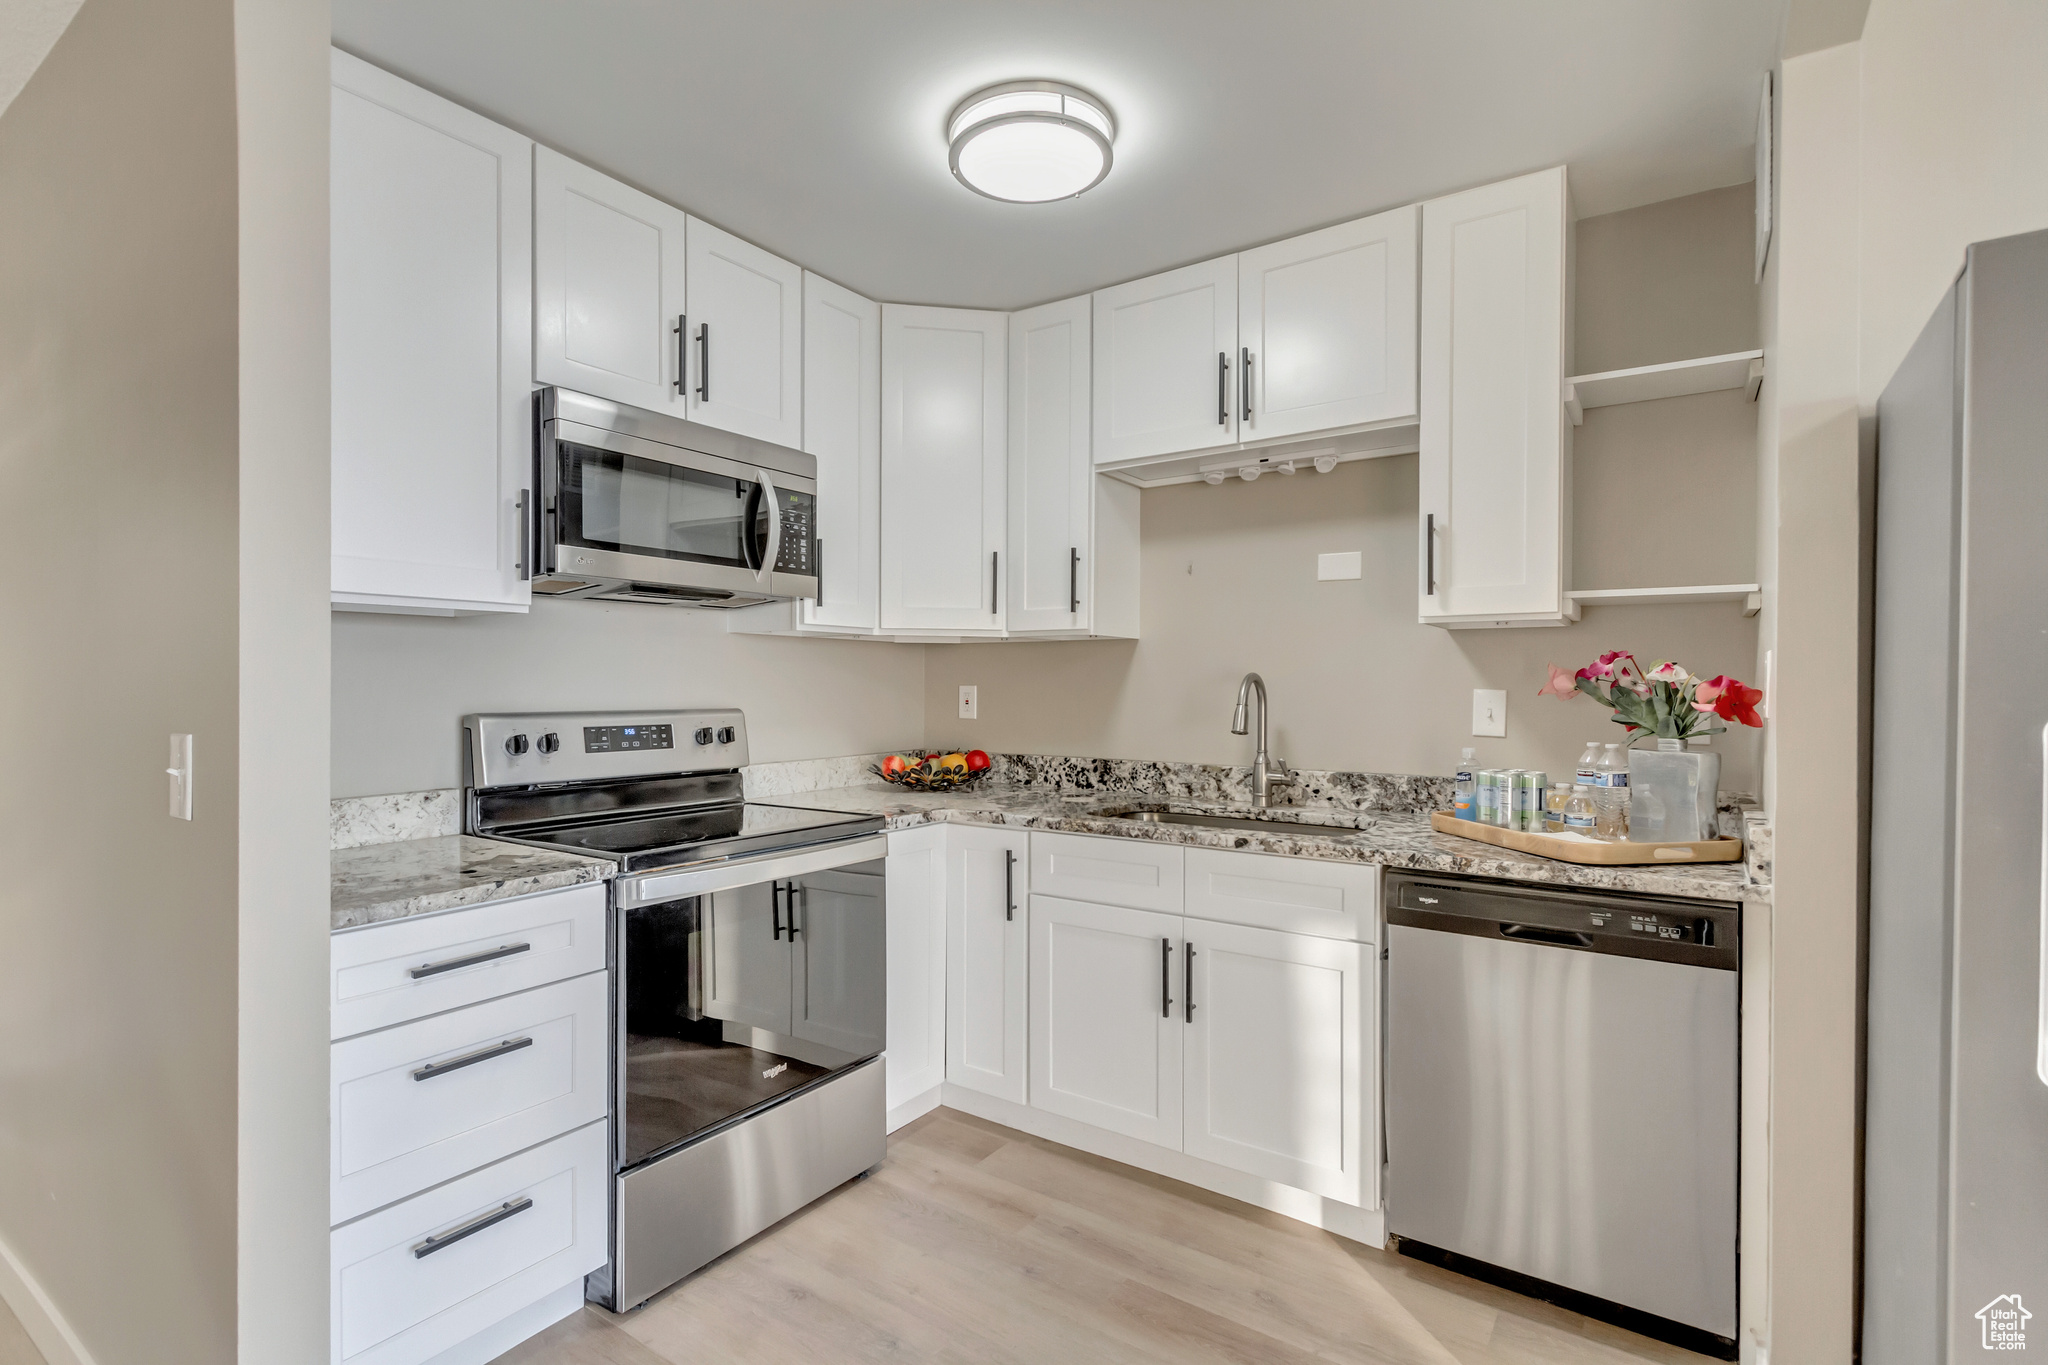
995, 578
1187, 985
682, 353
1244, 382
525, 533
1074, 580
467, 960
1223, 388
1009, 885
818, 570
1166, 978
482, 1054
471, 1228
1429, 548
703, 362
775, 913
792, 927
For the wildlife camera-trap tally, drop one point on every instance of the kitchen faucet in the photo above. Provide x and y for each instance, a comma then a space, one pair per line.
1266, 772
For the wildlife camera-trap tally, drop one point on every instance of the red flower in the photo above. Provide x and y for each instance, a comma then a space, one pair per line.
1729, 699
1603, 667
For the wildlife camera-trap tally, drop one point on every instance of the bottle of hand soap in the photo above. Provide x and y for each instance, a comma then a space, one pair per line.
1462, 791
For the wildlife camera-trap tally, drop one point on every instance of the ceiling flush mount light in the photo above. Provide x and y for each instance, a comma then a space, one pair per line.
1027, 142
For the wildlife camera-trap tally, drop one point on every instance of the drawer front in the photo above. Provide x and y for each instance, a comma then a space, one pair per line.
390, 1305
388, 973
1295, 895
415, 1105
1135, 873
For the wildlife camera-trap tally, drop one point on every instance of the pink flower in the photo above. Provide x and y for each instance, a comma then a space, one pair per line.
1603, 667
1729, 699
1561, 684
1668, 672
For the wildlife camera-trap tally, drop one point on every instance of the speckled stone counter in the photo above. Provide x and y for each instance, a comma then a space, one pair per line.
1393, 838
373, 883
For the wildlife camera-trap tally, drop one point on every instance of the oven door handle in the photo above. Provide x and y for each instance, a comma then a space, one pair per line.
637, 889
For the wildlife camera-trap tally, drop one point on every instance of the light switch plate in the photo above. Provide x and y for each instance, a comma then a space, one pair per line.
970, 701
1348, 564
1489, 712
180, 774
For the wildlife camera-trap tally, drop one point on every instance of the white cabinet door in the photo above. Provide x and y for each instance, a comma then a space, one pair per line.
917, 962
986, 884
1496, 454
608, 283
944, 427
843, 428
431, 267
1106, 1021
1280, 1058
745, 357
1052, 478
840, 960
750, 966
1166, 363
1326, 329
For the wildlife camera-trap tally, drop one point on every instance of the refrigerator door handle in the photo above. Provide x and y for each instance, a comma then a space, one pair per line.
2041, 1018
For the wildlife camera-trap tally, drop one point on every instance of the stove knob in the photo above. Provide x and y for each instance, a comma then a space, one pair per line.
703, 736
549, 742
516, 745
728, 735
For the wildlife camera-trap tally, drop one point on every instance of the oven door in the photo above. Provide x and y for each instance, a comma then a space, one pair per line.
739, 996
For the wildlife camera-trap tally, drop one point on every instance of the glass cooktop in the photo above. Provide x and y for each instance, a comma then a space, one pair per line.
673, 837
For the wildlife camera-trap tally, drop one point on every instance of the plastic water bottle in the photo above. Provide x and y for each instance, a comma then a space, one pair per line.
1579, 817
1462, 794
1610, 798
1588, 774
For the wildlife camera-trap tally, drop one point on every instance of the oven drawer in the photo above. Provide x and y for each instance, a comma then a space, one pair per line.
417, 1104
1316, 896
540, 1223
385, 974
1135, 873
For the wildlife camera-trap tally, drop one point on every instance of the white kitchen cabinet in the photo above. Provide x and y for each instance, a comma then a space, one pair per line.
750, 961
987, 882
1279, 1063
608, 287
1106, 1027
430, 270
840, 971
1496, 441
916, 925
745, 360
944, 427
1166, 363
842, 383
1326, 329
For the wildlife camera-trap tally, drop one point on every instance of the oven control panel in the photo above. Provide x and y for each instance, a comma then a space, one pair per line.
509, 750
614, 739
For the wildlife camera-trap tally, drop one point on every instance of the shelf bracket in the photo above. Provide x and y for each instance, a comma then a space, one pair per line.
1752, 604
1756, 383
1571, 403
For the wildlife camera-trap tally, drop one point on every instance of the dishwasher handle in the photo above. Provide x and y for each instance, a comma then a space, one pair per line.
1538, 933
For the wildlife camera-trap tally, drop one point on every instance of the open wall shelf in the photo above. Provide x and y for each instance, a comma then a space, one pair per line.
1748, 594
1738, 369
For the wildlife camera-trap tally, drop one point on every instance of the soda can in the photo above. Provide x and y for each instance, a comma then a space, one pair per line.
1504, 807
1529, 789
1485, 795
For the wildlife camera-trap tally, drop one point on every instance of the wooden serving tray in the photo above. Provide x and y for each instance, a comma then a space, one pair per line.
1579, 851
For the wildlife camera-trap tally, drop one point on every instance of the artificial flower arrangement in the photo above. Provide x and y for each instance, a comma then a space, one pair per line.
1667, 701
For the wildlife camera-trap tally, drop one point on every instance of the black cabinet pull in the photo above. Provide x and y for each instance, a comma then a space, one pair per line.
482, 1054
1009, 885
1429, 544
703, 362
995, 577
1165, 978
792, 929
1074, 581
475, 1225
682, 330
1187, 985
775, 913
1244, 383
525, 533
1223, 388
468, 960
818, 568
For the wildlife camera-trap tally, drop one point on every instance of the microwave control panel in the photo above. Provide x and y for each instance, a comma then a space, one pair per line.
797, 511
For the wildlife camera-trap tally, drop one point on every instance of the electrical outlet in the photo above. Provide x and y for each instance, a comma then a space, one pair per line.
1346, 564
970, 702
1489, 712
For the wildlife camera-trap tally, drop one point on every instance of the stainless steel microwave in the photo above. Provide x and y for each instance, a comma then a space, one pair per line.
638, 506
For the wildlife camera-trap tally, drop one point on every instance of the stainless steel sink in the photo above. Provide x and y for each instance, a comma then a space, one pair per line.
1172, 817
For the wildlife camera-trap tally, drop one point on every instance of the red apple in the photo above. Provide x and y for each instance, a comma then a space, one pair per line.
976, 760
893, 766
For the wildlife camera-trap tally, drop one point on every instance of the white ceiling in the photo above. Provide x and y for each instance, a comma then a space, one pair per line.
815, 127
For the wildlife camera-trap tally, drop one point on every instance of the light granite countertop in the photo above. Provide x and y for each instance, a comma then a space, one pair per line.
374, 883
1397, 839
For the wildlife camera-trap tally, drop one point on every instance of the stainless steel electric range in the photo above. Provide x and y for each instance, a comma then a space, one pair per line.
747, 959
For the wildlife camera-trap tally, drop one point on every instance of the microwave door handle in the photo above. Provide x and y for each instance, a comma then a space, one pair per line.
774, 550
750, 553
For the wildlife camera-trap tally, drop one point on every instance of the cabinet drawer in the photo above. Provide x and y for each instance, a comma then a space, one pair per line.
385, 974
1295, 895
390, 1305
417, 1104
1134, 873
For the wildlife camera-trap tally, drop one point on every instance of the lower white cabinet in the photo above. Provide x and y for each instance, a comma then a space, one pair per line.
987, 872
413, 1280
1106, 1033
765, 975
1278, 1063
916, 925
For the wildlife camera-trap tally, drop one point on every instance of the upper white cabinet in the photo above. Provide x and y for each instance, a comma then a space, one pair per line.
431, 260
744, 361
1496, 441
944, 425
843, 428
1326, 329
1166, 363
608, 277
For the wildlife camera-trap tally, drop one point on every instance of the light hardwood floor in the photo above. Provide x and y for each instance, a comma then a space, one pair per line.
976, 1243
15, 1347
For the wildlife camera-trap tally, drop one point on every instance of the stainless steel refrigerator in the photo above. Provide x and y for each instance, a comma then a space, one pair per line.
1955, 1191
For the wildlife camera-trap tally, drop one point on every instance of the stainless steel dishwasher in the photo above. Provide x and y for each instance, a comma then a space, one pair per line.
1561, 1097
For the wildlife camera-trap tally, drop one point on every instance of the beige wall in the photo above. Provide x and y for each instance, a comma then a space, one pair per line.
1665, 495
118, 466
403, 683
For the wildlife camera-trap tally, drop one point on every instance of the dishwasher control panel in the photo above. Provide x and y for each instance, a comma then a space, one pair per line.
1697, 933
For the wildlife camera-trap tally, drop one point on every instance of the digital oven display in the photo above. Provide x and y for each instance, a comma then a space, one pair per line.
614, 739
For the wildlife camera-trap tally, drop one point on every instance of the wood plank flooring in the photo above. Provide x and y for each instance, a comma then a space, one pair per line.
976, 1243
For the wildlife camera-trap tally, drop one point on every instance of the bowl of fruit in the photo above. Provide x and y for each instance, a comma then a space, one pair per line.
934, 772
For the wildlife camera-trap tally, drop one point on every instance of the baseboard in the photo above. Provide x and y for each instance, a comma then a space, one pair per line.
916, 1107
38, 1316
1359, 1225
502, 1336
